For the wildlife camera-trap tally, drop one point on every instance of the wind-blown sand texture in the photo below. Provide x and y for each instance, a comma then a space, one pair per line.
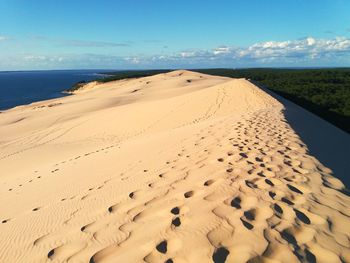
177, 167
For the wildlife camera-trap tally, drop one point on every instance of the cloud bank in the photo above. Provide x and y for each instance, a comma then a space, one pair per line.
294, 53
275, 52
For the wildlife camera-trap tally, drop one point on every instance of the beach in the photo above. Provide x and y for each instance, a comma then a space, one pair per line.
176, 167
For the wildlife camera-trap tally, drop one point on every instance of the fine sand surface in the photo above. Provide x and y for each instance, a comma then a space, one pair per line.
177, 167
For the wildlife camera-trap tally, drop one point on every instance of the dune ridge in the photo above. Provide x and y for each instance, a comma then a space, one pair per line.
177, 167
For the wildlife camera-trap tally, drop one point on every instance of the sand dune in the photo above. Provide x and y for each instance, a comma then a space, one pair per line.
177, 167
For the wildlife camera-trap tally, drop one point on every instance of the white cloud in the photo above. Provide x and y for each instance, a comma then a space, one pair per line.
310, 41
277, 51
34, 58
221, 50
187, 54
302, 52
133, 60
303, 48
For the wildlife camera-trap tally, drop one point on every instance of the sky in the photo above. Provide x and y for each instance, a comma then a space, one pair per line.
106, 34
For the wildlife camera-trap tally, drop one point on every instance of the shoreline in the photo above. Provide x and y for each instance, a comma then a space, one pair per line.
24, 88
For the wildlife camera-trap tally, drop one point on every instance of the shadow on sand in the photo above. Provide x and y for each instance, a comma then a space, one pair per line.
327, 143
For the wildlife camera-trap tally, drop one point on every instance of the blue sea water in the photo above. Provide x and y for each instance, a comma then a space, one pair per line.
24, 87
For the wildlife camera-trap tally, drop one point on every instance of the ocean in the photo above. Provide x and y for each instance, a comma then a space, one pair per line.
24, 87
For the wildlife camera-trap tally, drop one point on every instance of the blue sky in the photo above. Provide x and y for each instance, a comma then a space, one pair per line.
50, 34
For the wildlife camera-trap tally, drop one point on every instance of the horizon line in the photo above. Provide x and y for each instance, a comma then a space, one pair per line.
154, 69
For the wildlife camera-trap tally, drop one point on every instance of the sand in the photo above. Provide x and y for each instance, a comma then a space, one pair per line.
177, 167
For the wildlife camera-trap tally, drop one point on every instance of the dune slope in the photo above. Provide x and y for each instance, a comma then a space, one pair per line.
177, 167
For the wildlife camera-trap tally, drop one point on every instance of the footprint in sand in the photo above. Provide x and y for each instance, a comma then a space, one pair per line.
189, 194
51, 253
269, 182
5, 221
175, 210
278, 208
236, 202
250, 184
176, 222
162, 247
250, 214
220, 255
294, 189
302, 217
246, 224
243, 155
209, 182
272, 194
287, 201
